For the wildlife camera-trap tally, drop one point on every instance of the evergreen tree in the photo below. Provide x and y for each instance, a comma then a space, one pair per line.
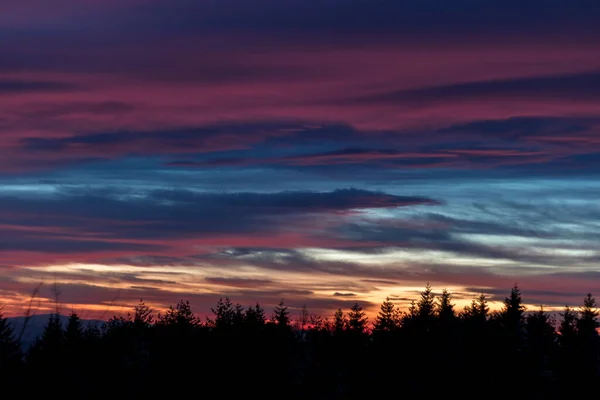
411, 315
180, 316
426, 304
10, 349
388, 318
357, 319
587, 324
508, 331
587, 330
255, 316
74, 330
142, 317
340, 322
477, 311
92, 333
541, 336
53, 336
568, 326
281, 315
445, 308
303, 318
512, 315
566, 364
224, 314
46, 356
239, 317
317, 323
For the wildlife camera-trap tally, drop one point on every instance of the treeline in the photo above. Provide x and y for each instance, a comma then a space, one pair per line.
431, 349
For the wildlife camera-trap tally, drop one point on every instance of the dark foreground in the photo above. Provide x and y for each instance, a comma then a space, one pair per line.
429, 351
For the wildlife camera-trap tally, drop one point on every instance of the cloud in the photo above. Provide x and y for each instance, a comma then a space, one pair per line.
338, 294
456, 124
582, 86
78, 221
421, 18
19, 86
239, 283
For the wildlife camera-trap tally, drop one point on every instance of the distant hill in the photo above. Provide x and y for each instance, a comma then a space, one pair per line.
37, 323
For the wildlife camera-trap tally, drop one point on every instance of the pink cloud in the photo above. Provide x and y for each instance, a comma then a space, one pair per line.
119, 96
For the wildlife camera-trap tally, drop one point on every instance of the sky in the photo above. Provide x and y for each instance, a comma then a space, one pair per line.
321, 152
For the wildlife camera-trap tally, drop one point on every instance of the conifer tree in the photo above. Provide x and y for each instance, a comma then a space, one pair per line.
239, 317
53, 336
512, 315
587, 323
180, 316
142, 317
541, 336
74, 330
445, 308
340, 322
303, 318
255, 316
587, 331
46, 353
281, 315
388, 318
426, 304
10, 349
477, 311
357, 319
568, 325
223, 314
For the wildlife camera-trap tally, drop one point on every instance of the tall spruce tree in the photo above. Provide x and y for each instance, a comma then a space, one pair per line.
357, 319
587, 323
513, 313
388, 318
445, 309
10, 349
426, 305
281, 315
340, 322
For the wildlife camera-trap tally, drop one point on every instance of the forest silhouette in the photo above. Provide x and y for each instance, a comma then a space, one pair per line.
429, 350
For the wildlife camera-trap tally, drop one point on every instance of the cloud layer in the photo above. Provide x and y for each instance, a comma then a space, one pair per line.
322, 151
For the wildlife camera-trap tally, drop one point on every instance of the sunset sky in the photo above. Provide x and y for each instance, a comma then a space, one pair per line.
321, 151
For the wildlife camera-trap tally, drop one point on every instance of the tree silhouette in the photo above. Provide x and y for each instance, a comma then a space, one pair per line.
340, 322
142, 315
426, 305
10, 350
477, 311
357, 319
303, 319
281, 315
541, 337
445, 308
45, 356
341, 359
255, 316
224, 314
508, 331
568, 325
513, 312
388, 319
180, 316
445, 338
52, 338
512, 318
239, 316
74, 330
587, 323
587, 331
